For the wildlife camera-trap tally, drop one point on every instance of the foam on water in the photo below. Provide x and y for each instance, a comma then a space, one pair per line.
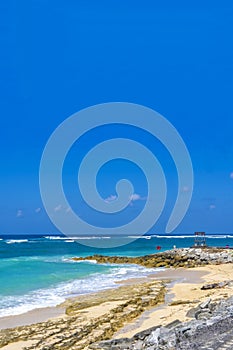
15, 305
12, 241
76, 237
42, 274
140, 237
55, 237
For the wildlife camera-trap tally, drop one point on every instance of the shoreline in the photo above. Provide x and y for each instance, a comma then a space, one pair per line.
90, 317
179, 275
134, 306
28, 318
157, 261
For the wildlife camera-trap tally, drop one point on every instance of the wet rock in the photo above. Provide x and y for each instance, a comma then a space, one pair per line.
183, 257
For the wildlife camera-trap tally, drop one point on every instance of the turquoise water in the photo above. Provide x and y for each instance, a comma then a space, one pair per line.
38, 272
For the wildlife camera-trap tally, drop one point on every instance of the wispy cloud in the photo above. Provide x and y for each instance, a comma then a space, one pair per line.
212, 206
19, 213
68, 210
231, 175
110, 198
135, 197
58, 208
37, 210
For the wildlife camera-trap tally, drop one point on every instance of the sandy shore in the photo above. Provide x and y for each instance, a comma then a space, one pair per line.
102, 312
42, 315
185, 291
30, 317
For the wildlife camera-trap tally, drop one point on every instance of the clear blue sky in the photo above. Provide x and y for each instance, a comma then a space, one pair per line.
58, 57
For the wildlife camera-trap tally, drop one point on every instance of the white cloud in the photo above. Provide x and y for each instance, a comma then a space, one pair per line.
110, 198
38, 210
212, 206
231, 175
57, 208
135, 197
19, 213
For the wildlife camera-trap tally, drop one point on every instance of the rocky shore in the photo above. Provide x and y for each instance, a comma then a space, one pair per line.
183, 257
211, 328
88, 319
187, 313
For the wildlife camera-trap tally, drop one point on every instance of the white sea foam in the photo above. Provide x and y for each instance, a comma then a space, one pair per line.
91, 237
12, 241
171, 236
55, 237
192, 236
216, 236
84, 261
15, 305
76, 237
143, 237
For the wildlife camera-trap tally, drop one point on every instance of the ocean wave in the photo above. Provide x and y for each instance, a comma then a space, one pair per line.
223, 236
216, 236
139, 237
15, 305
76, 237
171, 236
55, 237
70, 260
12, 241
84, 238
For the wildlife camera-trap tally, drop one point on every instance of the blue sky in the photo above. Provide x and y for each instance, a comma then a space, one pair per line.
58, 57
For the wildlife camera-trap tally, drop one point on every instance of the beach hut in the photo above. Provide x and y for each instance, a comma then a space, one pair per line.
199, 239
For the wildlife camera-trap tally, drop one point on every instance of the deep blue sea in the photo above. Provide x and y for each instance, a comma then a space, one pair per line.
36, 271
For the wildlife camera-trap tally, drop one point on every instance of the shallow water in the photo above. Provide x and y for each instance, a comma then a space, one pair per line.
37, 271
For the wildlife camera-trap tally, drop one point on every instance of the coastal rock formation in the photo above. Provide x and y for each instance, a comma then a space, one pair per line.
216, 285
92, 319
183, 257
212, 328
80, 328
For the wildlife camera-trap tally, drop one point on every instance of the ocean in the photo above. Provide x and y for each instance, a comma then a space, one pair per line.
37, 271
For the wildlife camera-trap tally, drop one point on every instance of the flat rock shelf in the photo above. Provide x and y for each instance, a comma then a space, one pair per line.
89, 318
